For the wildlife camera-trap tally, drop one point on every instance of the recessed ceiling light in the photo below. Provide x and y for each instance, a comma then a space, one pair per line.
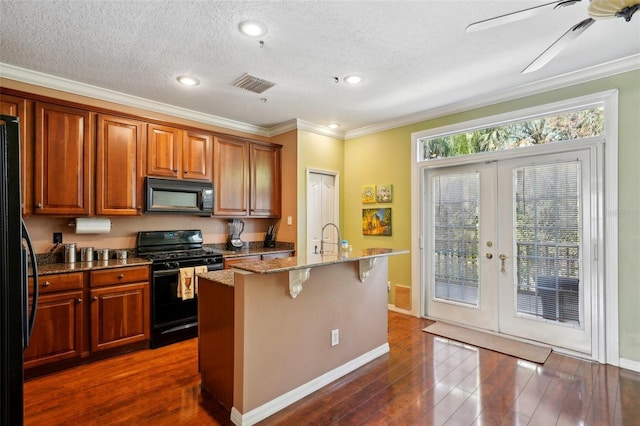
252, 28
333, 126
188, 81
353, 79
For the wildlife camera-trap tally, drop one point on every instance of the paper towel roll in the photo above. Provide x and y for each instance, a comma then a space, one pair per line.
93, 225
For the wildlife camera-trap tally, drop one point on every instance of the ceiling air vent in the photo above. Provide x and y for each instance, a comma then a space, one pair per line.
253, 83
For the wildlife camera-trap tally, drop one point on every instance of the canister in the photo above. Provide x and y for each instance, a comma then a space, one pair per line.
102, 254
86, 254
69, 252
120, 254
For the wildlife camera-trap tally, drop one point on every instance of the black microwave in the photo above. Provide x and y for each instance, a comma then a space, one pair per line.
178, 196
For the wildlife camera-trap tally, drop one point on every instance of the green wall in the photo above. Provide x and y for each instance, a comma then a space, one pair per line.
321, 153
385, 157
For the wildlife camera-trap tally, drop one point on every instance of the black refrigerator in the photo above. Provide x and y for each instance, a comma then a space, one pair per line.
17, 313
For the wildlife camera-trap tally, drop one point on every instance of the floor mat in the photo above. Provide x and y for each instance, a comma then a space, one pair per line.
527, 351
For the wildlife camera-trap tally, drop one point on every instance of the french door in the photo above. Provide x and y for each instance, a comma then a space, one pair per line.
509, 247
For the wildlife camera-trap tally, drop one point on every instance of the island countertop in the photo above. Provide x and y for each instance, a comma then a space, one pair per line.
293, 263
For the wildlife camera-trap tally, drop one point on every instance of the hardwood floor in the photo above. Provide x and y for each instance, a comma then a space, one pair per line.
424, 380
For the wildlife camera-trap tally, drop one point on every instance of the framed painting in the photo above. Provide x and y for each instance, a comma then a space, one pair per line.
384, 193
368, 194
376, 221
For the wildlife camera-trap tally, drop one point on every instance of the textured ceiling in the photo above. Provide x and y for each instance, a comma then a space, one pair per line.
415, 55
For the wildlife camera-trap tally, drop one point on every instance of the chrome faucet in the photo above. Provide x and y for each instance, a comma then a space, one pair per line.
322, 238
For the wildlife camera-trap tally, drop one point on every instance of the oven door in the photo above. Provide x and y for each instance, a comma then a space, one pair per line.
167, 308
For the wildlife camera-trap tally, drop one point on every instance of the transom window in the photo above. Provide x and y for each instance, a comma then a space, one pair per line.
565, 126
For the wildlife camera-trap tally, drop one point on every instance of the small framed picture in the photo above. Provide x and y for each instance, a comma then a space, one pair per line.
368, 194
384, 193
376, 222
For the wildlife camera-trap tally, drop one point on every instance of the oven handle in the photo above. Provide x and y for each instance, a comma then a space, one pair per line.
210, 267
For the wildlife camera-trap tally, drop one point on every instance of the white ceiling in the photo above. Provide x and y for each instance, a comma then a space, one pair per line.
415, 55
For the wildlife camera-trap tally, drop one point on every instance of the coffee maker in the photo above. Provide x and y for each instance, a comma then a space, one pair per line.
236, 226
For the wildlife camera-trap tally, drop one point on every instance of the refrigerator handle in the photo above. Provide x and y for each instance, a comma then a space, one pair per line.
25, 283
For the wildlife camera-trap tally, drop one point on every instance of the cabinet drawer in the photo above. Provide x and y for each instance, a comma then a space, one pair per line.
119, 276
57, 282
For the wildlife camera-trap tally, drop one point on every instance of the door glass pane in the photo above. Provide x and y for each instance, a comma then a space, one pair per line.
456, 199
547, 236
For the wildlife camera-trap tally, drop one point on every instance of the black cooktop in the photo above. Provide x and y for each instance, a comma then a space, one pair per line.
168, 245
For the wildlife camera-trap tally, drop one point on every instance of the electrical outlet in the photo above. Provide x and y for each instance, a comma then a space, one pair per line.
335, 337
57, 238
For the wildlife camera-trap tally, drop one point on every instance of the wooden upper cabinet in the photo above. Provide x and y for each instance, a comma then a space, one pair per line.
265, 181
119, 166
197, 156
20, 107
247, 178
63, 156
164, 150
230, 177
177, 153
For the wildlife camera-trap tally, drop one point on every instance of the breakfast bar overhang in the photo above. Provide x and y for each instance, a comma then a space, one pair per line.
268, 329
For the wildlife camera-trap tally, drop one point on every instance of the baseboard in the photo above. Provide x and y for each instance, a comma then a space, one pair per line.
630, 364
262, 412
394, 308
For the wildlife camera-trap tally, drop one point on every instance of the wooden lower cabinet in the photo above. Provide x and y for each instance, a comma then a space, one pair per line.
119, 315
57, 334
120, 307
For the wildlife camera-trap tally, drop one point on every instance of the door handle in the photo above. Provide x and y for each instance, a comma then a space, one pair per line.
489, 255
502, 259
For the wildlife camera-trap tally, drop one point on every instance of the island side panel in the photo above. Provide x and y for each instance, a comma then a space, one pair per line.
215, 339
282, 342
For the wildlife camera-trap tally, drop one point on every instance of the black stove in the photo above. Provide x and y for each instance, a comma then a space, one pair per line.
174, 318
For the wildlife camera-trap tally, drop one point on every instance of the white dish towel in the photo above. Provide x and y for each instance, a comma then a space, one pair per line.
199, 270
186, 283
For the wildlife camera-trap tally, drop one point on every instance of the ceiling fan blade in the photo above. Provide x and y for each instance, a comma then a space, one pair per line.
558, 45
517, 16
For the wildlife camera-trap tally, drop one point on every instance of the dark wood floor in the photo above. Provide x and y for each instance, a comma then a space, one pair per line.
424, 380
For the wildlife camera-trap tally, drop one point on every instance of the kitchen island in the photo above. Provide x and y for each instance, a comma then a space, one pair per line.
274, 331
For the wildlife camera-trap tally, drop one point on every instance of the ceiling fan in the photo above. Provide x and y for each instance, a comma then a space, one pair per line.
598, 9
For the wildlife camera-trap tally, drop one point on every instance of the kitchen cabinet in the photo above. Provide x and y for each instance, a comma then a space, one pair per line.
247, 178
63, 158
177, 153
120, 307
22, 108
119, 166
58, 330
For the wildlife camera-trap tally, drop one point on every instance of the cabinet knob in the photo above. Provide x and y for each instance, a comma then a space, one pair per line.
46, 284
94, 298
121, 276
186, 172
78, 300
39, 205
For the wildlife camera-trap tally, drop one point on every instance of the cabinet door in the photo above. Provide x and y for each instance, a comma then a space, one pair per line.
18, 107
231, 177
164, 150
119, 315
119, 166
63, 153
57, 333
197, 156
265, 181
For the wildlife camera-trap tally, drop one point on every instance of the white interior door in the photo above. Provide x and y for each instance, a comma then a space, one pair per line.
508, 247
321, 209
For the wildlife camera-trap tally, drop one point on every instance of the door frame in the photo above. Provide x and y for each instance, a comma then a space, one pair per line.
336, 200
606, 343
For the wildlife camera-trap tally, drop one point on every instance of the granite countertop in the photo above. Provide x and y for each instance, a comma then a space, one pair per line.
224, 277
61, 268
228, 254
293, 263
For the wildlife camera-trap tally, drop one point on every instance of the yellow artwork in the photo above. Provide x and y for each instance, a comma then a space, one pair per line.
376, 221
368, 194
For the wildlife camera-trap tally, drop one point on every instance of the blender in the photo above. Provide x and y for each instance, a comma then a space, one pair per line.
236, 226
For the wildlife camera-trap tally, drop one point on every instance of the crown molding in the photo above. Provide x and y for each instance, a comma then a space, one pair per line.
619, 66
52, 82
